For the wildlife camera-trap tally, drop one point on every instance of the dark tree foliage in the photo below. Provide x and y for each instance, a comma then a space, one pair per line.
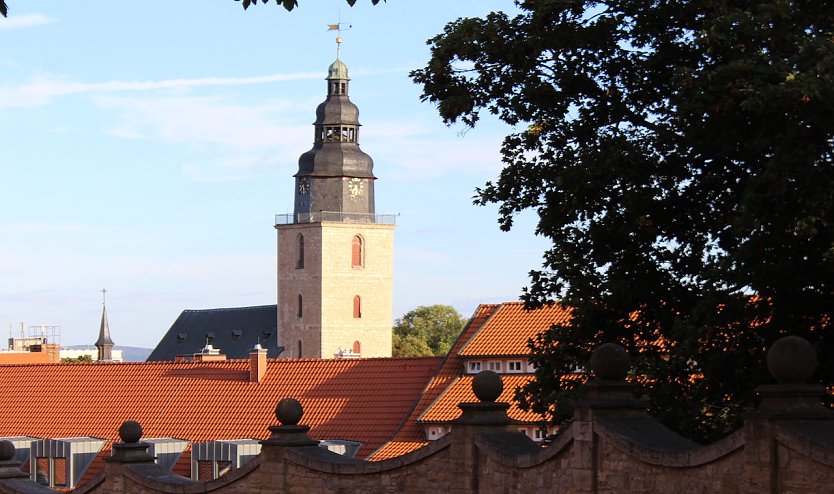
679, 157
287, 4
290, 4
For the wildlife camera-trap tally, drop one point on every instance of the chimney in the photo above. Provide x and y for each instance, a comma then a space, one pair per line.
257, 364
209, 354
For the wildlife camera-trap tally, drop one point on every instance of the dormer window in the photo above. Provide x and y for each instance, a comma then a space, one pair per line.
473, 367
514, 366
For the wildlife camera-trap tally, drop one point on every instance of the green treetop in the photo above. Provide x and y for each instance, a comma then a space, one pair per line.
427, 330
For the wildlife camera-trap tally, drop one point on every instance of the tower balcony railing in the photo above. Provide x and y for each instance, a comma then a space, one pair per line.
340, 216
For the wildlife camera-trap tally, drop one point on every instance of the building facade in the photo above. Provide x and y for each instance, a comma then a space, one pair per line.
335, 254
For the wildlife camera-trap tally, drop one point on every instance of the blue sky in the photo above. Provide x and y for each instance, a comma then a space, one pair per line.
147, 146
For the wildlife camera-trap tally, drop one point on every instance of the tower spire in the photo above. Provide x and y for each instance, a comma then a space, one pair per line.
335, 180
104, 344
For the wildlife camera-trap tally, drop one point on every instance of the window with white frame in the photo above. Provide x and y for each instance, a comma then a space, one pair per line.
514, 366
473, 367
539, 435
494, 366
434, 433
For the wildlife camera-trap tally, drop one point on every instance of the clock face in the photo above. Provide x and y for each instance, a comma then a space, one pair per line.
355, 186
303, 185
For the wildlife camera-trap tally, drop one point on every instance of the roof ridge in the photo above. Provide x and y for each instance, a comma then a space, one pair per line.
405, 421
436, 398
486, 321
227, 309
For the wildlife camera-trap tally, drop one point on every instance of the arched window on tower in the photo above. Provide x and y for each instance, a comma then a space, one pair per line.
357, 257
357, 348
299, 260
300, 306
357, 307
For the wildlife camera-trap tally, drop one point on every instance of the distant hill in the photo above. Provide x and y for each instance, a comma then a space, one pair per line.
129, 353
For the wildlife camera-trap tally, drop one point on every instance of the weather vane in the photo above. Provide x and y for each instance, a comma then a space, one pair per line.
103, 296
339, 27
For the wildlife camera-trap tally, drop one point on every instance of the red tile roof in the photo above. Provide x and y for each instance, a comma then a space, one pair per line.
496, 330
411, 436
357, 399
97, 465
10, 358
510, 327
445, 408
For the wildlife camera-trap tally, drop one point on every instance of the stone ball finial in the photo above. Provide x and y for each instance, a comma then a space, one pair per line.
289, 411
130, 431
610, 361
487, 386
6, 450
791, 360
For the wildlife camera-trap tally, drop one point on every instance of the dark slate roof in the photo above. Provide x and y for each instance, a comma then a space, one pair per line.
104, 330
234, 331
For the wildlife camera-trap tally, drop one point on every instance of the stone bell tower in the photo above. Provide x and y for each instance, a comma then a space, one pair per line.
335, 254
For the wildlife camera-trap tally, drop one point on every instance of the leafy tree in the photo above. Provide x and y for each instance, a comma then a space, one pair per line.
679, 157
427, 330
287, 4
82, 359
410, 346
290, 4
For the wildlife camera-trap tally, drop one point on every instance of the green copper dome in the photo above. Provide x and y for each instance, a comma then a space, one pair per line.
337, 70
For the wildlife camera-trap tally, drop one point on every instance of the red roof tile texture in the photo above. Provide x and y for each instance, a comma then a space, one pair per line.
10, 358
510, 327
357, 399
445, 408
411, 436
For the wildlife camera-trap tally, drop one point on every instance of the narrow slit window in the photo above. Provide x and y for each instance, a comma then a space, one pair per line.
357, 307
300, 311
357, 253
299, 260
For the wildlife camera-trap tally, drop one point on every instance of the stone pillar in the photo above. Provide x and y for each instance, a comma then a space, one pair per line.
481, 417
791, 361
128, 452
11, 478
287, 435
608, 394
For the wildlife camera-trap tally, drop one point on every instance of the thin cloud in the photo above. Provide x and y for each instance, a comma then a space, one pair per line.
24, 21
41, 91
228, 141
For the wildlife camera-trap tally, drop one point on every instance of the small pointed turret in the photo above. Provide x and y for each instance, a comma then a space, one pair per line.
104, 344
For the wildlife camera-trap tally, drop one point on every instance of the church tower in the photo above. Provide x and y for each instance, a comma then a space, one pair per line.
335, 254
